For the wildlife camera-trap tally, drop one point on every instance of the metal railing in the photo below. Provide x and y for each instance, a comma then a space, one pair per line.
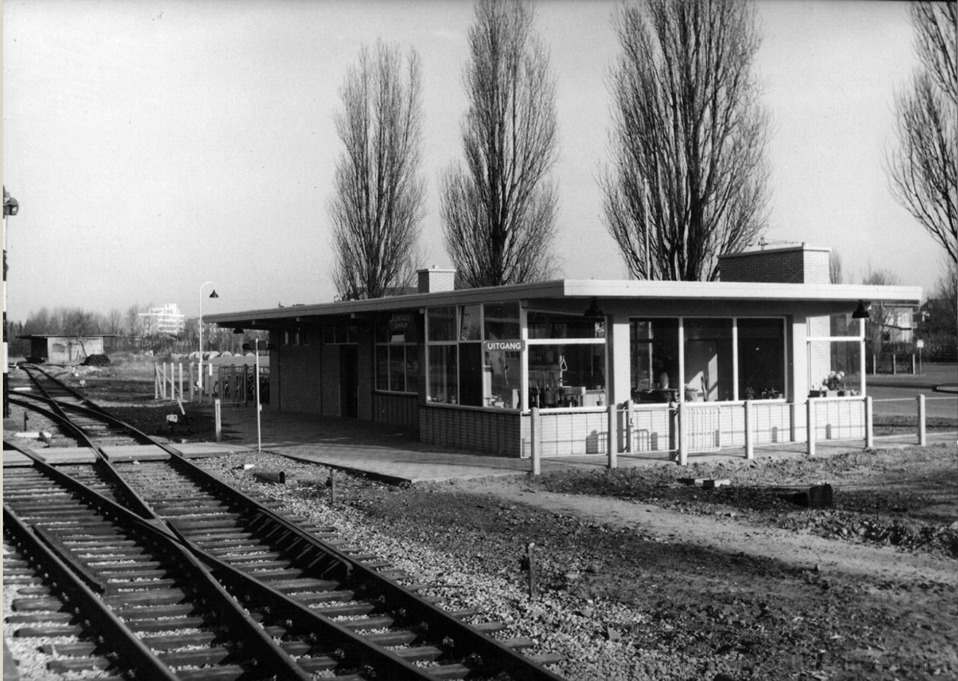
674, 431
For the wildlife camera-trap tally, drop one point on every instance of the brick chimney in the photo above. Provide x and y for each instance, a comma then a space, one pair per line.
801, 264
435, 280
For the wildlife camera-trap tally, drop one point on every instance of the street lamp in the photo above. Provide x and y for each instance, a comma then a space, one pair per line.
214, 294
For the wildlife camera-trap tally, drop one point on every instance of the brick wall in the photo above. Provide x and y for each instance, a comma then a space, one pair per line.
486, 432
792, 265
396, 410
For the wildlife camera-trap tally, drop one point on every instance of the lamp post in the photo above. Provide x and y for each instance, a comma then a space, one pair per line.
214, 294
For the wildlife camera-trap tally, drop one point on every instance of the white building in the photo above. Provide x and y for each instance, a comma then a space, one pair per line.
163, 320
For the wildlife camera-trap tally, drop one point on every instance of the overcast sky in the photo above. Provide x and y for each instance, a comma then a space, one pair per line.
156, 145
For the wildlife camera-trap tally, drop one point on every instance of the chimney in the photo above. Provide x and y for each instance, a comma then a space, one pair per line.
800, 264
436, 280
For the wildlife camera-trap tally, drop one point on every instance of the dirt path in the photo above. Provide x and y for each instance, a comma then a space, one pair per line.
801, 550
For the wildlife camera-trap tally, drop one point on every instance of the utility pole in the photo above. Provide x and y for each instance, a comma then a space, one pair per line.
10, 207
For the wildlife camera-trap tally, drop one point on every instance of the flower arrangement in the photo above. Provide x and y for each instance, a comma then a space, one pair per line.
834, 381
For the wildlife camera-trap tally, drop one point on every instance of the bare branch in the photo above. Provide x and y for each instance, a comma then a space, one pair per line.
923, 169
688, 177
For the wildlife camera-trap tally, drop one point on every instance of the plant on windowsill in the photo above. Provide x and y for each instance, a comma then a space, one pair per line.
833, 384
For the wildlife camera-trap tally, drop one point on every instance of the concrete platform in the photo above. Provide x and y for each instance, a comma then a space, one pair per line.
388, 453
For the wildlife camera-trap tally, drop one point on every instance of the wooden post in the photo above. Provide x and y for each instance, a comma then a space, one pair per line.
629, 407
894, 364
613, 432
680, 427
810, 426
189, 366
181, 380
534, 441
869, 423
749, 445
217, 410
530, 557
922, 435
156, 382
914, 371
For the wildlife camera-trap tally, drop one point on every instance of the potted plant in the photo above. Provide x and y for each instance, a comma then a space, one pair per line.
833, 383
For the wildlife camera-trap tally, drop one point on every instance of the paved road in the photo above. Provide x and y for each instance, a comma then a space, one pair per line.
896, 395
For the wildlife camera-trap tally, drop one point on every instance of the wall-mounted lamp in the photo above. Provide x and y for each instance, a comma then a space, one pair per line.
593, 311
861, 312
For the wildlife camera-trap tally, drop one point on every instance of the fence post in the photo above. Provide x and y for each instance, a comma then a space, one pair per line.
156, 382
749, 445
181, 380
810, 426
914, 371
792, 424
629, 406
613, 439
922, 436
680, 427
189, 366
894, 364
534, 440
869, 423
217, 411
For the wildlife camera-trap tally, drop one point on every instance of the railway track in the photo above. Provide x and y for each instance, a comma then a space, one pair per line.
149, 533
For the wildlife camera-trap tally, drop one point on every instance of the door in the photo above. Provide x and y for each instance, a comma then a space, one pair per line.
348, 382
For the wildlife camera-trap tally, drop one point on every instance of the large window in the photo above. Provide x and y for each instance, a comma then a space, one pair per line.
761, 359
654, 346
722, 359
397, 354
835, 355
469, 363
567, 362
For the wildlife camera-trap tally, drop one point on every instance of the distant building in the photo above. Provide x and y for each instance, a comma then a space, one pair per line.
166, 320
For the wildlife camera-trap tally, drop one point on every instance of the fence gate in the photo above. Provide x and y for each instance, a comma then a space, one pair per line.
233, 384
702, 428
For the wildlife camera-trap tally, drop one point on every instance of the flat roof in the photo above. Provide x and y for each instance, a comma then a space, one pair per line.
559, 289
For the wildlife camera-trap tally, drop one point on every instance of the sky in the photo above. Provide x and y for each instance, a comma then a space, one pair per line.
157, 145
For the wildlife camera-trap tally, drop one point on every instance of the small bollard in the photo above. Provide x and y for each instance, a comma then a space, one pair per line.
331, 483
26, 418
270, 476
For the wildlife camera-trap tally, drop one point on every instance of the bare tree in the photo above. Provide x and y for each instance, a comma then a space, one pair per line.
499, 211
377, 206
688, 177
835, 275
923, 169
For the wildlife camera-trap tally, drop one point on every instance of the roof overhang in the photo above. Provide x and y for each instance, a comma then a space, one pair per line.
566, 289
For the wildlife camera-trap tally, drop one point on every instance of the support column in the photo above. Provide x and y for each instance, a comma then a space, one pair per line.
922, 435
810, 426
534, 441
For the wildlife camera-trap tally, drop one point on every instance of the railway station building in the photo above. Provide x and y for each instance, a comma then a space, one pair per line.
638, 366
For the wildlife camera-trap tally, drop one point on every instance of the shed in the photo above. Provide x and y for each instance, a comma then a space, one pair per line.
63, 349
